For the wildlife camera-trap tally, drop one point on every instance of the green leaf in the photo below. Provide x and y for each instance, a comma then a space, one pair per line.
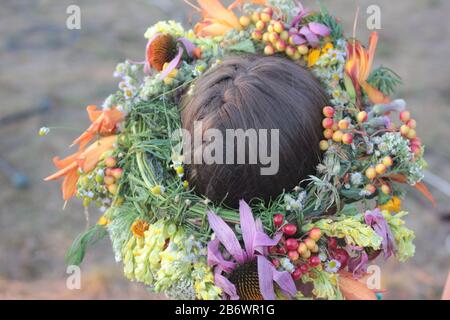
349, 87
243, 46
77, 250
385, 80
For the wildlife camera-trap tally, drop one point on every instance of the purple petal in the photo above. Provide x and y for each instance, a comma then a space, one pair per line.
260, 228
215, 257
226, 236
358, 265
265, 277
188, 45
376, 220
319, 29
172, 64
298, 39
302, 13
285, 281
147, 58
263, 240
248, 228
310, 36
228, 288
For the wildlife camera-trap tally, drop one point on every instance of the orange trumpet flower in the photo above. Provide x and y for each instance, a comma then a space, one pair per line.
358, 67
217, 20
104, 122
86, 160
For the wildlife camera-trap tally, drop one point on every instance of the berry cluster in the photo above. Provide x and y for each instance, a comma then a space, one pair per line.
277, 36
302, 251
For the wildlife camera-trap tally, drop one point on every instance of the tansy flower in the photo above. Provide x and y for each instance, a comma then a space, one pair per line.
104, 122
250, 275
84, 160
393, 205
103, 221
139, 227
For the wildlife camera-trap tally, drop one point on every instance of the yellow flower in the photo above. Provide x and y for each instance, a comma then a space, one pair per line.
173, 73
103, 221
313, 56
326, 47
157, 190
393, 205
139, 227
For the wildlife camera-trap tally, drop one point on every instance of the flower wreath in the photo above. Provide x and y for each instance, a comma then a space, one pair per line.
325, 234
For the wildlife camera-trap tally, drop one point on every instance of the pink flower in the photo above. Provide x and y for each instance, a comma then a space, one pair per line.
256, 244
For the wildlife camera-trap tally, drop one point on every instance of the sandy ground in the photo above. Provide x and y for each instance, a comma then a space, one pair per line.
43, 63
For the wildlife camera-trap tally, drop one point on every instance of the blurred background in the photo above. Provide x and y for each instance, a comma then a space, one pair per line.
48, 74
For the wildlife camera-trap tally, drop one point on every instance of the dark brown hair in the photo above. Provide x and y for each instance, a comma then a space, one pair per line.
260, 93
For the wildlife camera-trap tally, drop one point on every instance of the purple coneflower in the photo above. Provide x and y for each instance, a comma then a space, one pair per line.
248, 274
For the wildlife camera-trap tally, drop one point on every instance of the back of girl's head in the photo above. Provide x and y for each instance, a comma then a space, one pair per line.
254, 92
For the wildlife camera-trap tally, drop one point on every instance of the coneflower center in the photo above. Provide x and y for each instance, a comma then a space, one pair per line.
245, 279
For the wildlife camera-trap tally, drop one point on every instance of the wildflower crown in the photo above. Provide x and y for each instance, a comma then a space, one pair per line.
324, 232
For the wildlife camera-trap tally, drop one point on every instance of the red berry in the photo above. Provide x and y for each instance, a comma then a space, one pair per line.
342, 256
110, 162
117, 173
405, 116
327, 123
293, 255
290, 229
297, 274
328, 111
291, 244
278, 220
314, 261
273, 250
282, 251
304, 268
332, 243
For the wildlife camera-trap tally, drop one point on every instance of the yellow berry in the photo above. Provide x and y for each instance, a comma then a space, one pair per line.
255, 17
386, 189
310, 243
404, 130
380, 169
343, 124
244, 21
260, 25
266, 17
362, 116
284, 35
112, 188
371, 173
328, 133
337, 136
323, 145
371, 188
303, 49
387, 161
411, 134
